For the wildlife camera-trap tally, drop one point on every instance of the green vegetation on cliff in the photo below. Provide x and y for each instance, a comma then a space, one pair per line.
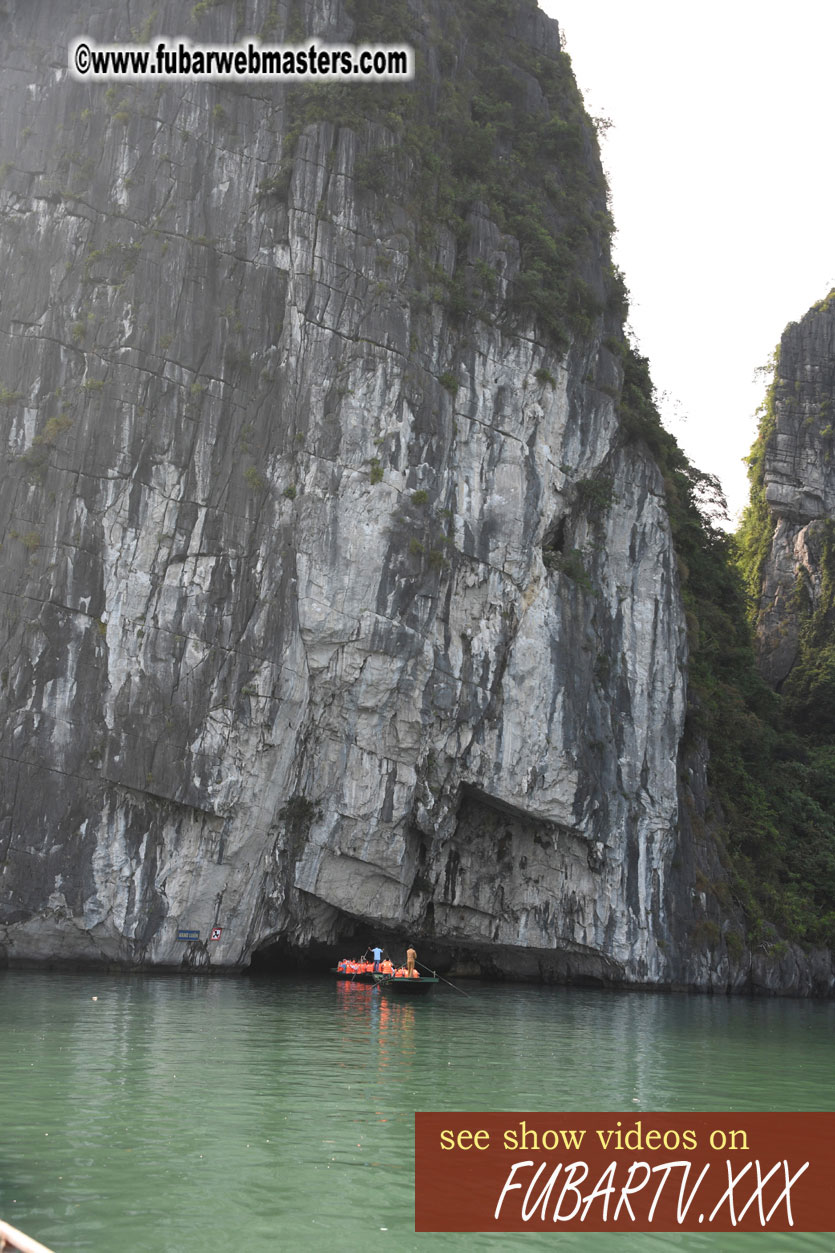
489, 120
753, 539
808, 693
809, 690
772, 757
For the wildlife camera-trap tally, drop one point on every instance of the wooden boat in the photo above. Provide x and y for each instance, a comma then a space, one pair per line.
14, 1241
405, 987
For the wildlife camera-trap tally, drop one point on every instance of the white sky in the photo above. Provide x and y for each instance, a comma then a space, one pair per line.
720, 162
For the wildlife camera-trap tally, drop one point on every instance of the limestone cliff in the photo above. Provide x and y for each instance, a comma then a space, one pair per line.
776, 748
333, 595
799, 488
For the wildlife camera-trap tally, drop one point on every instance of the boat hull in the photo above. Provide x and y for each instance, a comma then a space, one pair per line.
16, 1242
405, 987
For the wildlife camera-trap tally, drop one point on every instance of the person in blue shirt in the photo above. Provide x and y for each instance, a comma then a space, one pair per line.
376, 954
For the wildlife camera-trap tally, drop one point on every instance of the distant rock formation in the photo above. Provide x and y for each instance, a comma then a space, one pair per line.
799, 477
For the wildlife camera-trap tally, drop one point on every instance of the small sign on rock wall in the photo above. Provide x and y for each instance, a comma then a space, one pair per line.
188, 935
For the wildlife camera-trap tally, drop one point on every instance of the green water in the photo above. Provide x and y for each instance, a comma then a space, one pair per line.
184, 1114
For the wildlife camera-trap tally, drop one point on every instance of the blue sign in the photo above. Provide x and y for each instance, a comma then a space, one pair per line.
188, 935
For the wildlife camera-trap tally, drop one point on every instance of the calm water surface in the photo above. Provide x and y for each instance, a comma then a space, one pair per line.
183, 1113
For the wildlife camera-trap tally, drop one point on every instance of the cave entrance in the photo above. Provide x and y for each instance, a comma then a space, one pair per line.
277, 955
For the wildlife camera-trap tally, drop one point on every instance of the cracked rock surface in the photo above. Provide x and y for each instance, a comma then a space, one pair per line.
309, 615
800, 487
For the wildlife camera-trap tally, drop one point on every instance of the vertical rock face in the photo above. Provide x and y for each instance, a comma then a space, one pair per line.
319, 606
799, 478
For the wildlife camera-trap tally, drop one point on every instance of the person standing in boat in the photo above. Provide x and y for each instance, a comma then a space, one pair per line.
376, 954
411, 958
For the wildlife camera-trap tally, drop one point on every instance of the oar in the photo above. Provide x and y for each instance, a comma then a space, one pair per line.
443, 980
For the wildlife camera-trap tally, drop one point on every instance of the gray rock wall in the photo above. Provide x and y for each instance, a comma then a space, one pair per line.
800, 486
317, 607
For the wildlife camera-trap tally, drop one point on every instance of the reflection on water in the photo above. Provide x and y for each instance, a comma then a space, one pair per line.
172, 1109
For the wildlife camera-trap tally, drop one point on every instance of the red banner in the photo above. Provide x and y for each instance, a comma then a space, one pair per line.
624, 1172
